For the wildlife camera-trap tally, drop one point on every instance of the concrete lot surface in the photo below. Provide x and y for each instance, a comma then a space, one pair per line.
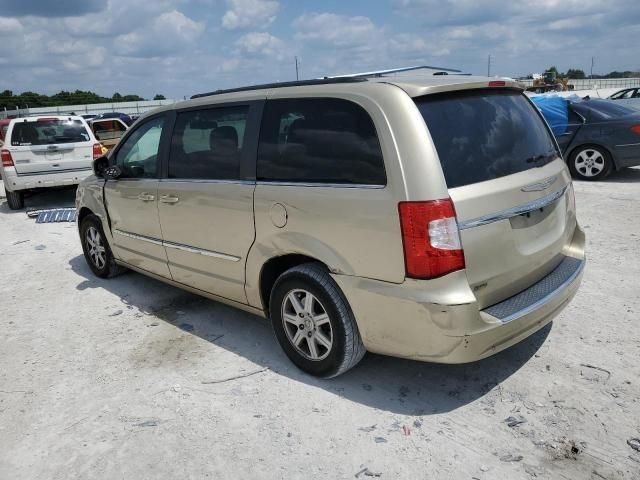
130, 379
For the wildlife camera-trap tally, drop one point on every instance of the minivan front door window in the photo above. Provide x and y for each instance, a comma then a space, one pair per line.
137, 158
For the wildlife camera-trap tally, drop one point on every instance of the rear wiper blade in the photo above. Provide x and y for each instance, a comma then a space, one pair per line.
540, 157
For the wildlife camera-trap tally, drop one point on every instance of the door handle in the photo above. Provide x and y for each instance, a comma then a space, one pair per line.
146, 197
169, 199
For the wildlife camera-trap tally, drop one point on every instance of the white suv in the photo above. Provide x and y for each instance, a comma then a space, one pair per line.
43, 152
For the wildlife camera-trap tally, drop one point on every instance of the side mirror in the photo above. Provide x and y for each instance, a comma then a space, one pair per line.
113, 172
100, 164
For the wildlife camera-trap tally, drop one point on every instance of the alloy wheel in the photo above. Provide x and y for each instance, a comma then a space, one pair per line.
589, 162
95, 247
307, 325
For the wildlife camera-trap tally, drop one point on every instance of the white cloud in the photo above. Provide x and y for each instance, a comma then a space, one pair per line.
9, 26
249, 13
336, 30
167, 33
261, 43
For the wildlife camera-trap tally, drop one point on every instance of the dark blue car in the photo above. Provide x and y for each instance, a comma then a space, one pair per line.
596, 136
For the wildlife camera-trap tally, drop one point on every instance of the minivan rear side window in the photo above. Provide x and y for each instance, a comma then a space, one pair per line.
207, 144
481, 135
319, 140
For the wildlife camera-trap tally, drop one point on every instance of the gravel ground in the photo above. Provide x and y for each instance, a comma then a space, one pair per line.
131, 379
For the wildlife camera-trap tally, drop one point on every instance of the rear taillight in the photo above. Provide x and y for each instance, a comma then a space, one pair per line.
97, 150
497, 83
430, 238
636, 129
7, 160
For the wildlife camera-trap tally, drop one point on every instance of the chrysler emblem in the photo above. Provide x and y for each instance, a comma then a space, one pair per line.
538, 187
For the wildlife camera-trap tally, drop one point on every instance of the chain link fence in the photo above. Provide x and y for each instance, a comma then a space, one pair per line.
130, 108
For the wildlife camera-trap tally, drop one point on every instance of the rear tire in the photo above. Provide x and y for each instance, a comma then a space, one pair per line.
96, 250
313, 322
590, 162
15, 200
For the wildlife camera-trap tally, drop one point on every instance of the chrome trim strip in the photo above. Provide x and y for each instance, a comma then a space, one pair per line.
628, 145
319, 184
178, 246
155, 241
547, 298
200, 251
204, 180
513, 212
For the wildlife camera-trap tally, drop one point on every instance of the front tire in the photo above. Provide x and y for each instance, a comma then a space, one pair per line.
313, 322
15, 200
590, 163
96, 250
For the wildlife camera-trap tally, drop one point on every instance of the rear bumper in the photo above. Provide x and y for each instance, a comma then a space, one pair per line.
627, 155
439, 320
14, 182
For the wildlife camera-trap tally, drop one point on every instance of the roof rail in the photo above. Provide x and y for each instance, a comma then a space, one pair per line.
299, 83
379, 73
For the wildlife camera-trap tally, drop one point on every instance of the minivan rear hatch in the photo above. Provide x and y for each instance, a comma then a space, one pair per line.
49, 145
511, 190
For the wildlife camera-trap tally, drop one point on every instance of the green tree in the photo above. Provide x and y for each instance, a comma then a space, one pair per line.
576, 73
132, 98
159, 97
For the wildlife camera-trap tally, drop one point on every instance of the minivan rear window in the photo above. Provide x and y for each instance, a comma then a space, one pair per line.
48, 131
481, 135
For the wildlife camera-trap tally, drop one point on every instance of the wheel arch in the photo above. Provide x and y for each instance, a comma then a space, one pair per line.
276, 266
82, 214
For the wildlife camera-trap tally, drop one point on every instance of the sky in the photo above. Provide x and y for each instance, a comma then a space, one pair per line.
181, 47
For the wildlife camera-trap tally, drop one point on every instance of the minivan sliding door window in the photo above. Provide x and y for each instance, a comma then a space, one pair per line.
207, 144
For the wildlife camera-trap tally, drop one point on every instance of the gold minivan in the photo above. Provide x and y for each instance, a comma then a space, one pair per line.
429, 218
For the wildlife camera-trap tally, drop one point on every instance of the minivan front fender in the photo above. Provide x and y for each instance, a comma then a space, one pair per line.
90, 199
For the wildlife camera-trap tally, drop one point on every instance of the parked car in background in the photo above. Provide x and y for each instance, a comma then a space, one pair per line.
4, 125
429, 218
108, 131
121, 116
597, 137
44, 152
629, 97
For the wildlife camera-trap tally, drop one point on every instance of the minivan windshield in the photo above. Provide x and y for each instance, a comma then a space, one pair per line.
48, 131
481, 135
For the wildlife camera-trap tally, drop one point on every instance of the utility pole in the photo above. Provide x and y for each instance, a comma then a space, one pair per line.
591, 75
489, 66
297, 77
